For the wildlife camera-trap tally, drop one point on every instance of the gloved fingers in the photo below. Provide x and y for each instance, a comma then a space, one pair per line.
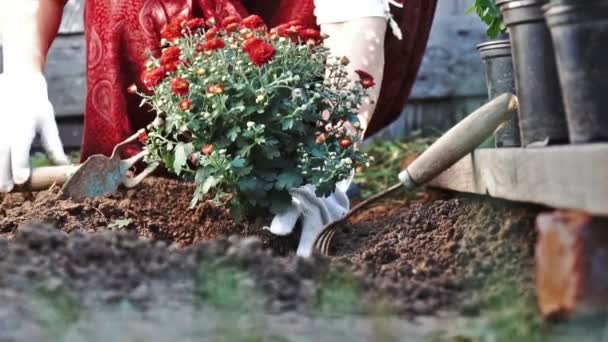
49, 134
312, 226
6, 176
20, 154
311, 203
284, 223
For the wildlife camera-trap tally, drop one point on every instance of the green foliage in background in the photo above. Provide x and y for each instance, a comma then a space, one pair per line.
489, 13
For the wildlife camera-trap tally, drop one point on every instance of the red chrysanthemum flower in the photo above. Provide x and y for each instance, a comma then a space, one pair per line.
259, 51
213, 44
367, 80
180, 87
253, 22
250, 42
195, 24
232, 27
142, 137
346, 143
310, 35
215, 89
212, 33
185, 104
207, 150
289, 29
231, 19
170, 58
173, 30
151, 78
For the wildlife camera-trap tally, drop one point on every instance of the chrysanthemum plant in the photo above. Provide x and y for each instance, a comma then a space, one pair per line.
251, 113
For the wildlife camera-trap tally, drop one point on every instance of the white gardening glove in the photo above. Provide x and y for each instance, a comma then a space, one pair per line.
314, 212
24, 105
25, 110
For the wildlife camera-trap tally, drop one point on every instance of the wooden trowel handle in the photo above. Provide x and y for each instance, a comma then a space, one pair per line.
43, 178
459, 141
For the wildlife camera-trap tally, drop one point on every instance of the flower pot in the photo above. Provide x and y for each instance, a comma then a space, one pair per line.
496, 56
580, 35
541, 113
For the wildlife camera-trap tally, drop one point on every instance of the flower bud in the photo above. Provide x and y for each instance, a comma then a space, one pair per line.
207, 149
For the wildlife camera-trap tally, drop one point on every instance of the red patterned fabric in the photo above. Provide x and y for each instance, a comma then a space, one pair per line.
120, 32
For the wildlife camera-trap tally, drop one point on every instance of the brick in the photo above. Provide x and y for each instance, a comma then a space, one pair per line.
571, 264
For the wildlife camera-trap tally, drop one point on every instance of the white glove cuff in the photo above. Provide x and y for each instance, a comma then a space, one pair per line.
338, 11
19, 31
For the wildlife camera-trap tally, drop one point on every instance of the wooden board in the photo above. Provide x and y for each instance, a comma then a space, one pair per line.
73, 18
570, 177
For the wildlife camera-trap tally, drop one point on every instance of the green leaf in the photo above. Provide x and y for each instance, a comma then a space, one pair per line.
182, 151
239, 162
120, 224
233, 133
288, 180
287, 124
236, 210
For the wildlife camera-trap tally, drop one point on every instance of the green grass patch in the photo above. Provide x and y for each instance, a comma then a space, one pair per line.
226, 286
339, 293
388, 157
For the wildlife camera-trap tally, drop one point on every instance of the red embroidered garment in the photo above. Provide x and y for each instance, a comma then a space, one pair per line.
120, 32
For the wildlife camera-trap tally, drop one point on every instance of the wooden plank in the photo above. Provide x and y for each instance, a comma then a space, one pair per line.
569, 177
66, 75
73, 18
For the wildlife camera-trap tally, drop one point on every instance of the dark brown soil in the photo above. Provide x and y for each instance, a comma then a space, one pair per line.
425, 257
436, 255
158, 209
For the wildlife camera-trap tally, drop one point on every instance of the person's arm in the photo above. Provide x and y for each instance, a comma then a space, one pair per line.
28, 30
48, 19
362, 41
28, 27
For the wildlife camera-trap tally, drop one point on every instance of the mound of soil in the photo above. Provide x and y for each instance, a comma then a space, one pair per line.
158, 209
425, 257
439, 254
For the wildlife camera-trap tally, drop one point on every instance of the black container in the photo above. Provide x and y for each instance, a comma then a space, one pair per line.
496, 56
580, 37
541, 111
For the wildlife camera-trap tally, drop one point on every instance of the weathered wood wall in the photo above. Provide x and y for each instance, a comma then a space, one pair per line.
450, 83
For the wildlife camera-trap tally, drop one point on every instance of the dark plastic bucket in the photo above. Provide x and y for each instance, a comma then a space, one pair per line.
580, 36
541, 112
496, 56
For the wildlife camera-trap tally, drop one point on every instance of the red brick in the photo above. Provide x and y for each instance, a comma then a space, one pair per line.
571, 264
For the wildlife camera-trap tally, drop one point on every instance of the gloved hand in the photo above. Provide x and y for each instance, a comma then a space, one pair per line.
314, 212
24, 104
24, 110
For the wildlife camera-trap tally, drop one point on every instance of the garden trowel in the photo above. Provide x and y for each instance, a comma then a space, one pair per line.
456, 143
97, 176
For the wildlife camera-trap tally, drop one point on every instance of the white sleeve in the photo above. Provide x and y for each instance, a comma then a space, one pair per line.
335, 11
338, 11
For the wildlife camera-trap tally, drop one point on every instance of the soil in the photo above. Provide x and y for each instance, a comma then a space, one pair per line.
415, 258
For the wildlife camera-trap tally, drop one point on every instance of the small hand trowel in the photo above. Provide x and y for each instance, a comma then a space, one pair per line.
456, 143
98, 175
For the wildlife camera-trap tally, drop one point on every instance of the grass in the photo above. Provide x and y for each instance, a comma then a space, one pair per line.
339, 293
227, 287
508, 312
56, 311
389, 159
40, 159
